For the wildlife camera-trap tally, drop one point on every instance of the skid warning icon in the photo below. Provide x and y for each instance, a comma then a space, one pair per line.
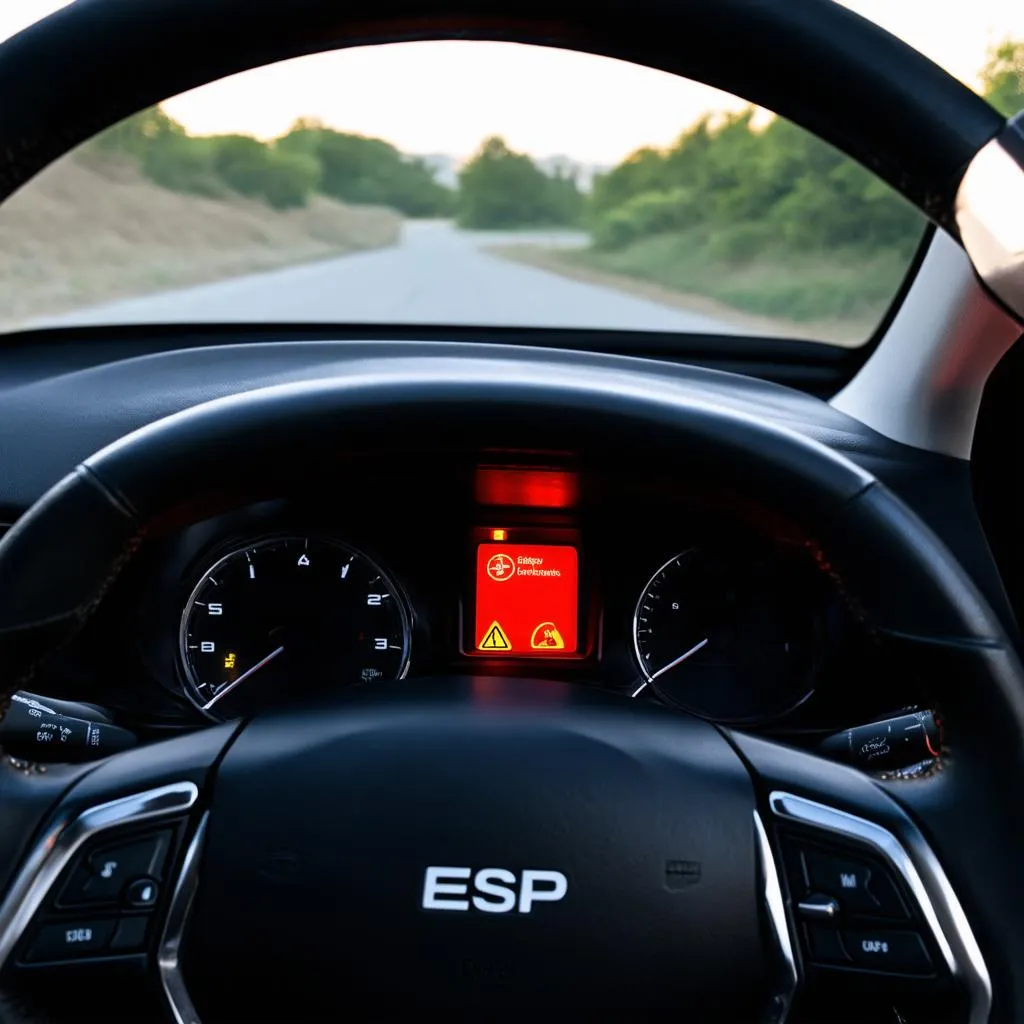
500, 568
494, 639
547, 638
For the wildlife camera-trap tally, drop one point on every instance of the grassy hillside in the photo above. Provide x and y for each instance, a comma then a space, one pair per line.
840, 286
696, 286
92, 228
766, 222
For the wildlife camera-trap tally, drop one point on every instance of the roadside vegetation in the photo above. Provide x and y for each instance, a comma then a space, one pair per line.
94, 228
1003, 77
502, 189
768, 220
285, 173
764, 219
746, 212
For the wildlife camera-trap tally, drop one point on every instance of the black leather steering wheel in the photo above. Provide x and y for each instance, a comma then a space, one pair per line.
337, 858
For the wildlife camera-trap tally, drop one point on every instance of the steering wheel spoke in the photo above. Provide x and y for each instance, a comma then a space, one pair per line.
92, 892
869, 908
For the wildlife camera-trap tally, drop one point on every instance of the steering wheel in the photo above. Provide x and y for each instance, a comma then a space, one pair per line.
495, 849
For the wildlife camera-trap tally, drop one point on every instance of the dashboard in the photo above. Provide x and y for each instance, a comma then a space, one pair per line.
537, 565
651, 562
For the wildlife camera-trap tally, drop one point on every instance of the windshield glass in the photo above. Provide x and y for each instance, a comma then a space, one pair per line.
464, 183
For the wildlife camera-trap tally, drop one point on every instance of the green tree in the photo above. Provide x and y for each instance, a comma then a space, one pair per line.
137, 134
360, 169
565, 202
240, 162
290, 179
182, 164
749, 189
213, 165
1003, 77
499, 188
163, 150
642, 171
252, 168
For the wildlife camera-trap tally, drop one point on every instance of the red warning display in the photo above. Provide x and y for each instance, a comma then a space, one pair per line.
527, 599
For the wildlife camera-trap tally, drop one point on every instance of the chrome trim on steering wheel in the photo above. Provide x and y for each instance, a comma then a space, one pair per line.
789, 978
178, 999
58, 845
990, 216
926, 881
923, 876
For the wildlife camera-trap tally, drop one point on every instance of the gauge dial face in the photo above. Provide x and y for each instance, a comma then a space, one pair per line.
736, 637
288, 616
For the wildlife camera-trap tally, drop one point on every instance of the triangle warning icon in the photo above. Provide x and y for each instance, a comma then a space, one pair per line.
494, 639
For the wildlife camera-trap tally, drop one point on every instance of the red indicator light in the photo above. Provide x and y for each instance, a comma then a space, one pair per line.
527, 599
526, 488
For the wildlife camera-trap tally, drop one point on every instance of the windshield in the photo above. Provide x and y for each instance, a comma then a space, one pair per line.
464, 183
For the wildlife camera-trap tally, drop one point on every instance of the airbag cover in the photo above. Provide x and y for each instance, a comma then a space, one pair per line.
325, 820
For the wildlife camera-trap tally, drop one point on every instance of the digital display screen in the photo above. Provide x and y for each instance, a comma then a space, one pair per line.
527, 599
526, 487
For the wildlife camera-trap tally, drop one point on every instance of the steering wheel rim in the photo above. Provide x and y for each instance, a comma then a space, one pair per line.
152, 474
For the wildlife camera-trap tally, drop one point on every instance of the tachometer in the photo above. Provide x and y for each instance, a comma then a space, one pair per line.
287, 616
734, 636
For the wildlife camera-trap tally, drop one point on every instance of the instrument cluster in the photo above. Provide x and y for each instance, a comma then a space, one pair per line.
527, 566
531, 580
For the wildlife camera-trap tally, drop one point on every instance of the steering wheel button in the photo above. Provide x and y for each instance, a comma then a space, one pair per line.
142, 893
130, 935
108, 870
854, 884
70, 940
824, 946
822, 908
889, 901
898, 952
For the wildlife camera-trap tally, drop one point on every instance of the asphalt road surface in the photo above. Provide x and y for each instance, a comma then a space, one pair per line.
436, 275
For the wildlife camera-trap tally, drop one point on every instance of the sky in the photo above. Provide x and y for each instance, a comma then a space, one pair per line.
444, 97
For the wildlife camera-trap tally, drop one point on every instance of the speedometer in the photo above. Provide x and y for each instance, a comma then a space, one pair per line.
287, 616
736, 636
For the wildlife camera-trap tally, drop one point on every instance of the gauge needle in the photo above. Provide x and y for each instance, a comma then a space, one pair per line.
242, 678
671, 665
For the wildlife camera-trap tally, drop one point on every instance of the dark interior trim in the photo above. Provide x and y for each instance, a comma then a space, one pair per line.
812, 367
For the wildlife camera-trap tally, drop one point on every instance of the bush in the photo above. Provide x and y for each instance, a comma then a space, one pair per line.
240, 161
499, 188
843, 284
181, 165
139, 134
1003, 77
283, 174
740, 243
640, 173
649, 213
290, 179
252, 168
751, 188
358, 169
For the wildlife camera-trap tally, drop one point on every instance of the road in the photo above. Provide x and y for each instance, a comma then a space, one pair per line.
436, 275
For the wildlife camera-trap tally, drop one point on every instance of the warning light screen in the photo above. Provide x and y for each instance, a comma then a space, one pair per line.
527, 599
